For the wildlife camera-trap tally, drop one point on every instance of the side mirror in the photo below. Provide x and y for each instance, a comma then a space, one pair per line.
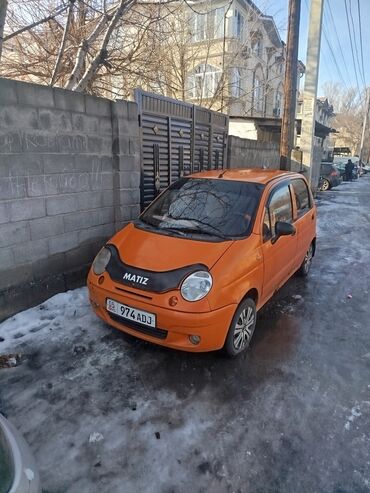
284, 229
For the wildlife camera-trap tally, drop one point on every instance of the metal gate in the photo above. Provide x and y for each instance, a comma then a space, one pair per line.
177, 139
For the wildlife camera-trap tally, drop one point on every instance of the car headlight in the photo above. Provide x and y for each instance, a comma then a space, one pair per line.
101, 261
196, 286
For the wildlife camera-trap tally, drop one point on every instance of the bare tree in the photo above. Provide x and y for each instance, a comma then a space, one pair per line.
349, 107
3, 9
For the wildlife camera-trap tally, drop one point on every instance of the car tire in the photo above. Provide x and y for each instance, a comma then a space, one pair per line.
305, 267
241, 328
325, 186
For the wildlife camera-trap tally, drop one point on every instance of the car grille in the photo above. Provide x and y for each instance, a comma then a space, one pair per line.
158, 333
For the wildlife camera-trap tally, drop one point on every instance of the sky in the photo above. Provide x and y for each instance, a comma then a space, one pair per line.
336, 62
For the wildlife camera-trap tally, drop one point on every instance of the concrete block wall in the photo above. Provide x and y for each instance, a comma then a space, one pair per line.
69, 178
246, 153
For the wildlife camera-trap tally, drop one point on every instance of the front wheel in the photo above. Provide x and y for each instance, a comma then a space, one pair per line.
325, 185
307, 261
241, 328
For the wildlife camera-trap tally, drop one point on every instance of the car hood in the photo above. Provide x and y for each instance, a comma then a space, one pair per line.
157, 252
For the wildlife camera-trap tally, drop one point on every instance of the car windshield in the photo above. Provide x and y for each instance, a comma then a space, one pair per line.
214, 207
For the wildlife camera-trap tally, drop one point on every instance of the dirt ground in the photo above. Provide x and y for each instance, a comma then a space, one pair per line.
107, 413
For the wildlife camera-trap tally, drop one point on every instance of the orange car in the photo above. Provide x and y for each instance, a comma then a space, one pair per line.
204, 257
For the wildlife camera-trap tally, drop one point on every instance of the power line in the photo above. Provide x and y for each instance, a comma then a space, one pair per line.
350, 39
361, 40
338, 38
355, 42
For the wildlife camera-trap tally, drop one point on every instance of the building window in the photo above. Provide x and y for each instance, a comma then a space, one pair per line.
278, 102
257, 46
238, 25
258, 94
235, 83
203, 82
209, 25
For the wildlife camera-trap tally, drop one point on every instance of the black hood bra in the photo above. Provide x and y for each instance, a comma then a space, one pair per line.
147, 280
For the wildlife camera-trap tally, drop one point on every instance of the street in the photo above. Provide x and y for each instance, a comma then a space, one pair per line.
104, 412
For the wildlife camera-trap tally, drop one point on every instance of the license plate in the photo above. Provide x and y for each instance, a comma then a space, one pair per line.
130, 313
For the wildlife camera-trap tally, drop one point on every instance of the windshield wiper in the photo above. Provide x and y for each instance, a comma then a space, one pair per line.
199, 231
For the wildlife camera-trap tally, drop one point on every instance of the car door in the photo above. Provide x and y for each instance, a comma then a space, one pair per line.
278, 253
305, 218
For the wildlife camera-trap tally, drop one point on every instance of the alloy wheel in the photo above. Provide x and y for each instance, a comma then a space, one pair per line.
244, 328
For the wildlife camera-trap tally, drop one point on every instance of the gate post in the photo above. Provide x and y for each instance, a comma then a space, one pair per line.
126, 162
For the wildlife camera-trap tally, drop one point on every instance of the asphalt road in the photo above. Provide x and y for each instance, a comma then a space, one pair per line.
104, 412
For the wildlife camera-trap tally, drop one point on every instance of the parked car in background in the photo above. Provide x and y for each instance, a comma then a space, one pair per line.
340, 163
228, 240
329, 176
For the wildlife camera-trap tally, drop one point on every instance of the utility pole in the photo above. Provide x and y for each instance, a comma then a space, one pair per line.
3, 9
310, 93
364, 125
290, 86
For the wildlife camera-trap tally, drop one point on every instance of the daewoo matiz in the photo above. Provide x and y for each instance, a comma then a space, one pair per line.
204, 257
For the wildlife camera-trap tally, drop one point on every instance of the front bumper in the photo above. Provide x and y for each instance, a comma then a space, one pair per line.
175, 326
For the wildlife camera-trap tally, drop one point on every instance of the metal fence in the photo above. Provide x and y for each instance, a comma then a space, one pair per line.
177, 139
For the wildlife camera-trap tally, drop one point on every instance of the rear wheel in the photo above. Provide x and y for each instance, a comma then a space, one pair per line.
241, 328
307, 261
325, 185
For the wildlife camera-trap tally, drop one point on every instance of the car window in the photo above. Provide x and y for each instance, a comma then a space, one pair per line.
302, 197
266, 226
279, 208
205, 206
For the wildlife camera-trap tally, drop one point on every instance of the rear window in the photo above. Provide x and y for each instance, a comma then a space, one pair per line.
218, 207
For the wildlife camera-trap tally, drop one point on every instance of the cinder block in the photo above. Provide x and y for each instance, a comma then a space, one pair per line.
124, 214
20, 165
72, 143
4, 212
55, 120
36, 186
105, 126
15, 276
69, 100
52, 184
120, 109
11, 141
106, 163
13, 187
89, 200
30, 251
79, 256
18, 117
34, 95
61, 204
39, 142
46, 227
82, 220
135, 211
96, 233
87, 163
27, 209
63, 243
6, 256
133, 111
134, 146
8, 93
102, 181
94, 144
86, 124
97, 106
73, 182
58, 163
129, 197
128, 179
14, 233
107, 198
127, 163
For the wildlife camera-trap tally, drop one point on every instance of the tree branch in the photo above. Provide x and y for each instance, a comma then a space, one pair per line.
62, 44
